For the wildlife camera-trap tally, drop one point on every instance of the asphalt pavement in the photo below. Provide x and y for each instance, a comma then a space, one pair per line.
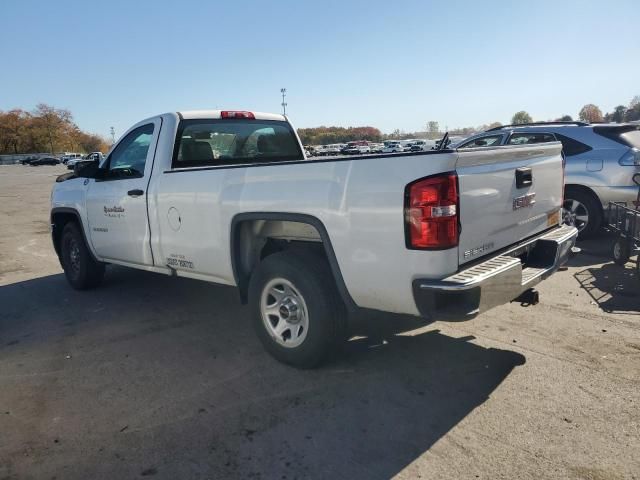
156, 377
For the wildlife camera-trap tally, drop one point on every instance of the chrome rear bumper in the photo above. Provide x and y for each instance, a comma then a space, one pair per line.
495, 281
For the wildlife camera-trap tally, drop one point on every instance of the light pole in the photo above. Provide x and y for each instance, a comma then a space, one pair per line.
113, 135
283, 91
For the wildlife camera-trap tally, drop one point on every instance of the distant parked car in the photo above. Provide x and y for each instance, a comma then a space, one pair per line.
356, 149
70, 156
600, 162
376, 147
28, 160
392, 147
332, 150
72, 162
44, 161
419, 146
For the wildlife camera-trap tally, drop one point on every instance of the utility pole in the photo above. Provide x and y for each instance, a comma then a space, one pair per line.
283, 91
113, 135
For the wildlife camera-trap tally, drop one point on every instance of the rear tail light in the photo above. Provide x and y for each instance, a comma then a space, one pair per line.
431, 212
237, 114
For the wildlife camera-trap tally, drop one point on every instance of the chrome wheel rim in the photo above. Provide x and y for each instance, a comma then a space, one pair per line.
284, 313
74, 255
576, 214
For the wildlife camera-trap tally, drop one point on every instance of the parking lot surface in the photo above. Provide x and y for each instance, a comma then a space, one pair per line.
151, 376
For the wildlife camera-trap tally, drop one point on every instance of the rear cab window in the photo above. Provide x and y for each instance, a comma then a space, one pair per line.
225, 142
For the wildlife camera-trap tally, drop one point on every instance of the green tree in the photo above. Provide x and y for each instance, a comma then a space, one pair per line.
565, 118
619, 114
521, 117
590, 113
633, 112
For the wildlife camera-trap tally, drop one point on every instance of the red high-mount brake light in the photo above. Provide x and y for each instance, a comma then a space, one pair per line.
431, 212
237, 114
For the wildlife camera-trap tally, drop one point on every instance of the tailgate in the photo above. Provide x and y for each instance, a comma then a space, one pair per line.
499, 204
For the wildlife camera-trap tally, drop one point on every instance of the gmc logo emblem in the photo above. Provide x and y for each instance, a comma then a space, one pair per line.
523, 201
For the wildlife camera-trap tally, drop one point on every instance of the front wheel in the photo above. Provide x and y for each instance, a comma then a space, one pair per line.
296, 309
80, 268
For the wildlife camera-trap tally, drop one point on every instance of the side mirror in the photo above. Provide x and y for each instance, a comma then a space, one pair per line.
89, 169
636, 179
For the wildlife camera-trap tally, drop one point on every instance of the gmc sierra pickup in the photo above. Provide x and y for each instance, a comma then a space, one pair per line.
229, 197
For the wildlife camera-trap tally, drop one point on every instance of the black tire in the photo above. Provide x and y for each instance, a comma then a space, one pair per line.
620, 252
593, 210
310, 276
80, 268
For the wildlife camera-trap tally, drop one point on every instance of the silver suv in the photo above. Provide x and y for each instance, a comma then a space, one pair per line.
600, 161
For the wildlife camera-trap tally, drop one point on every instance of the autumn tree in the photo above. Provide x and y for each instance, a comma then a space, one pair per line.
55, 123
521, 117
590, 113
45, 129
565, 118
326, 135
13, 126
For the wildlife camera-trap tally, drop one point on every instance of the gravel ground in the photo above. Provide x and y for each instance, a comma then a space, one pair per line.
151, 376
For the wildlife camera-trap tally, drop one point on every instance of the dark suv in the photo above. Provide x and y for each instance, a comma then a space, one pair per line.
600, 162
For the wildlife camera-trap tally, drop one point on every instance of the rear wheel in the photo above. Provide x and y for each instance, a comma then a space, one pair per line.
582, 210
297, 311
80, 268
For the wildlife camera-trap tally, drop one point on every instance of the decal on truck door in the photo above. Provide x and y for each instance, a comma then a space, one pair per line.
114, 212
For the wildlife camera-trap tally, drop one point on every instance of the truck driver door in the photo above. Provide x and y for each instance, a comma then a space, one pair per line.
116, 202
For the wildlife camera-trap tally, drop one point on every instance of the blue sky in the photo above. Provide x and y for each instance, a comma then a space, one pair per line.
386, 64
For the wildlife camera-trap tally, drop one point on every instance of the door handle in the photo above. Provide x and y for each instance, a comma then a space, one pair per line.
524, 177
135, 193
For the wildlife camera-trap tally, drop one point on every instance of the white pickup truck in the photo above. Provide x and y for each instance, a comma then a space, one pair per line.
228, 197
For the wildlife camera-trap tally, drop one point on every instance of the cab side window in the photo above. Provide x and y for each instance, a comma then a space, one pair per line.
130, 156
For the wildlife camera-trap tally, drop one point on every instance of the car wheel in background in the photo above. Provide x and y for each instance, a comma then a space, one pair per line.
297, 311
582, 210
79, 266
